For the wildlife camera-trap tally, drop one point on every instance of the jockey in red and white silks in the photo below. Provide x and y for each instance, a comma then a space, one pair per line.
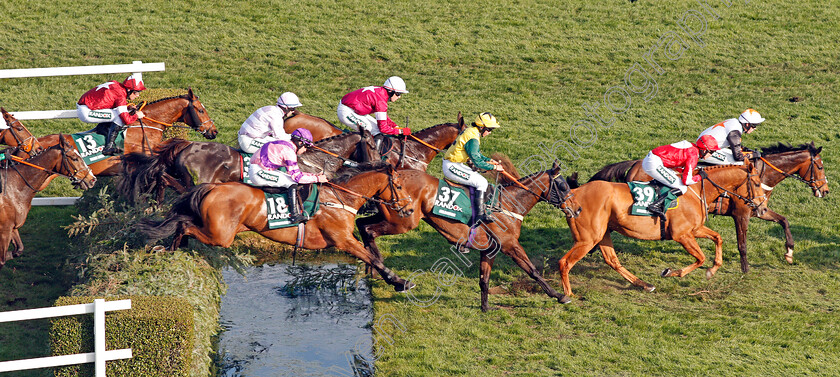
728, 136
355, 108
663, 162
266, 124
108, 102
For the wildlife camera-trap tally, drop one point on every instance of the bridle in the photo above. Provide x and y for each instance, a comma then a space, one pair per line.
811, 172
28, 144
554, 196
75, 177
393, 204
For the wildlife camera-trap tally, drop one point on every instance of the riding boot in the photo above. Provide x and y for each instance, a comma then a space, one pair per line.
110, 149
479, 201
295, 211
657, 208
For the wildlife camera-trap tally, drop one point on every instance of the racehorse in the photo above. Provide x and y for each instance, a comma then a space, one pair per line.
214, 213
182, 164
23, 178
517, 199
776, 163
606, 209
319, 127
18, 136
143, 135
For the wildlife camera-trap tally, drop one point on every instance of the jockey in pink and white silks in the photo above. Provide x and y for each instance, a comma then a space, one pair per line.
728, 136
108, 103
266, 124
275, 165
662, 162
355, 108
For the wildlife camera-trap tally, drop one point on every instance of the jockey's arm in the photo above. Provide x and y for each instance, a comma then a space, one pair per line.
480, 161
734, 139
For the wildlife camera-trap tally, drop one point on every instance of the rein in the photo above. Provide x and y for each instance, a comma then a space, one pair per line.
436, 149
567, 211
391, 204
748, 201
51, 172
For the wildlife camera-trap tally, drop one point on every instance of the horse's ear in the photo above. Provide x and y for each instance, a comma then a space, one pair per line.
460, 119
818, 151
555, 166
190, 92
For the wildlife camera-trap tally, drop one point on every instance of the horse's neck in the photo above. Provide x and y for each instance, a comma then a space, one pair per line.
521, 201
442, 137
22, 176
369, 185
167, 111
786, 162
729, 178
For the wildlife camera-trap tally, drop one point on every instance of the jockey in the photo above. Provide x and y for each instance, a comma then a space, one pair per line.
108, 103
466, 148
728, 136
661, 163
266, 124
267, 161
355, 108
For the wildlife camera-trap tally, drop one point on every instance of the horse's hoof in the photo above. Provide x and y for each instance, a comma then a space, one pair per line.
789, 256
709, 274
650, 288
666, 272
404, 287
564, 299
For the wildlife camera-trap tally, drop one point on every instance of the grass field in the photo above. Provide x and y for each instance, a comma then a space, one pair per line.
612, 78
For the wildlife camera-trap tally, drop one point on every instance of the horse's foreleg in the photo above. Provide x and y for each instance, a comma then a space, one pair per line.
690, 244
485, 266
742, 223
352, 246
608, 251
769, 215
705, 232
576, 253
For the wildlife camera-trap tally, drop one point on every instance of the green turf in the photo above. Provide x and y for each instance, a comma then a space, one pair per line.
536, 65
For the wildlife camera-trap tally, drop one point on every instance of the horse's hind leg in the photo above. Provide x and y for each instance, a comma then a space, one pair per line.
608, 251
688, 241
705, 232
17, 244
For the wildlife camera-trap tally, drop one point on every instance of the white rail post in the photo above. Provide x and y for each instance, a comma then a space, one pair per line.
99, 336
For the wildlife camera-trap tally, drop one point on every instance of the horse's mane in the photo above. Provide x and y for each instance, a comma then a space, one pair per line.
295, 113
335, 137
431, 129
167, 98
783, 147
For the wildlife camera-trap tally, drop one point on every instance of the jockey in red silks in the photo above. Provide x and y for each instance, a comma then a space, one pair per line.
728, 136
662, 162
275, 165
266, 124
108, 103
356, 107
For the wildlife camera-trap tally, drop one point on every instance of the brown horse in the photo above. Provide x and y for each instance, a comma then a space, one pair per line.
606, 209
22, 179
319, 127
182, 164
145, 134
516, 201
777, 163
18, 135
215, 213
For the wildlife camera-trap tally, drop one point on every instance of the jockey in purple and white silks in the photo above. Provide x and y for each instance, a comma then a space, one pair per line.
728, 136
266, 124
275, 165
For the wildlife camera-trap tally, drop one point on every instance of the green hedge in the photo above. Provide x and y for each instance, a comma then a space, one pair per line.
159, 330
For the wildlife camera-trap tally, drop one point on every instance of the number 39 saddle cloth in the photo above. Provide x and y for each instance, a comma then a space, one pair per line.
645, 193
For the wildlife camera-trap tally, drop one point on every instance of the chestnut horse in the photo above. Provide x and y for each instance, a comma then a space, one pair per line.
145, 134
777, 163
516, 200
606, 208
319, 127
214, 213
17, 135
182, 164
23, 178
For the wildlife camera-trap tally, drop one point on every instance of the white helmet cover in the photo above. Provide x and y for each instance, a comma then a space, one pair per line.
395, 84
750, 116
288, 99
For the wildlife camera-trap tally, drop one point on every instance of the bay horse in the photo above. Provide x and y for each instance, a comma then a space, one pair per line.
517, 199
606, 209
23, 178
143, 135
214, 213
182, 164
319, 127
17, 135
417, 150
776, 163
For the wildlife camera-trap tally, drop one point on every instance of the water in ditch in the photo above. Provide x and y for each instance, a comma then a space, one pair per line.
303, 320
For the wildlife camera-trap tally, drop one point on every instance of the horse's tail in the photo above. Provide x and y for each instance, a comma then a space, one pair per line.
185, 210
616, 172
169, 150
137, 174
